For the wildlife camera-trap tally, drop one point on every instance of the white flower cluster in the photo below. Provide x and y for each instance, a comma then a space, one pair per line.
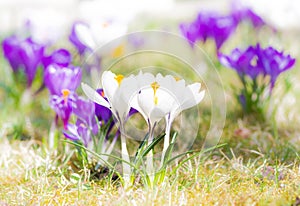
155, 97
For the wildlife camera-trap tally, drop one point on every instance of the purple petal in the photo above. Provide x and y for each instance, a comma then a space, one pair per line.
61, 57
59, 78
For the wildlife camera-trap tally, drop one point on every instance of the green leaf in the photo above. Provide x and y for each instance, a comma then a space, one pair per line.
170, 148
152, 145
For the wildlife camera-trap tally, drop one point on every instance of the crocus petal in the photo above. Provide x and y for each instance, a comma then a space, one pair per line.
81, 37
84, 35
197, 96
59, 78
61, 57
110, 84
71, 132
94, 96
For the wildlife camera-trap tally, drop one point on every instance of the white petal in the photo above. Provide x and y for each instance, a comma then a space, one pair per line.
109, 84
146, 102
193, 96
94, 96
85, 36
156, 115
144, 79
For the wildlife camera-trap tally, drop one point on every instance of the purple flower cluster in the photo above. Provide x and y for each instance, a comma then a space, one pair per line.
209, 25
256, 61
218, 27
251, 63
24, 54
61, 79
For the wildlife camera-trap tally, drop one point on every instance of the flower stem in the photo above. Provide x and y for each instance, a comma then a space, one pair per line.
51, 138
166, 141
149, 165
125, 156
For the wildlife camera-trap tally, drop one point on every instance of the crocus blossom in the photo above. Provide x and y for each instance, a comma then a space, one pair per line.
253, 62
243, 61
256, 60
274, 62
23, 54
116, 98
165, 97
209, 25
116, 102
86, 124
246, 14
81, 37
243, 13
61, 57
62, 83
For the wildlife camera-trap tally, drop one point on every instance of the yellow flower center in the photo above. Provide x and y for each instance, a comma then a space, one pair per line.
155, 86
119, 78
177, 79
65, 93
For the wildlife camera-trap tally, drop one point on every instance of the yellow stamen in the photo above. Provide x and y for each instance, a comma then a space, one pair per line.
65, 93
155, 86
177, 79
119, 78
118, 51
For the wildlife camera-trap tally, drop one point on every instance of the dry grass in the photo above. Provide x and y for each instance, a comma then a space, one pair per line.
28, 176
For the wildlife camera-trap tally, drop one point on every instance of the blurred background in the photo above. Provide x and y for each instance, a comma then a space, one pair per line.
56, 16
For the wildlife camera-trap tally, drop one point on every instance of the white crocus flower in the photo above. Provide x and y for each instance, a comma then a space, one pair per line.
154, 101
187, 96
117, 103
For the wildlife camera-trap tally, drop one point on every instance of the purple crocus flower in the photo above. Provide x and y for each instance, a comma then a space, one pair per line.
86, 123
242, 13
61, 57
256, 60
63, 106
244, 62
274, 62
58, 78
62, 83
256, 20
85, 111
10, 47
209, 25
81, 37
23, 54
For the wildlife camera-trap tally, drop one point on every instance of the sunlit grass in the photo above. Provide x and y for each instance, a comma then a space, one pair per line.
29, 176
